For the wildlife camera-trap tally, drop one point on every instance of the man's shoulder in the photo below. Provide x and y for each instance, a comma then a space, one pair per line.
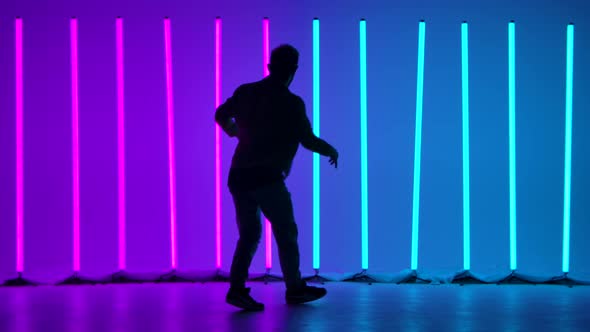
247, 87
297, 100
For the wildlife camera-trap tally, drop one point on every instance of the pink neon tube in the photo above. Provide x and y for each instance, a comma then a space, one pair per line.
218, 143
121, 144
75, 143
171, 161
19, 148
266, 60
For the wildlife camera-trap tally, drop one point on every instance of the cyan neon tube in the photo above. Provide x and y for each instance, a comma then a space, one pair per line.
316, 130
465, 134
569, 83
364, 147
512, 139
418, 144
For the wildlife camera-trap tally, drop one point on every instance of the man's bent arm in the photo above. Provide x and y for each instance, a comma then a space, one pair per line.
224, 116
318, 145
308, 139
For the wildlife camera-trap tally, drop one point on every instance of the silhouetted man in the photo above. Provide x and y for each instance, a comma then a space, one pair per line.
270, 122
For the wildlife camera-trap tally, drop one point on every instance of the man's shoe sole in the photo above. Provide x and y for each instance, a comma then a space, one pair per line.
303, 299
241, 305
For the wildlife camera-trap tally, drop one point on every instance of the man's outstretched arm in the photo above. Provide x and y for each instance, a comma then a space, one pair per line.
224, 116
310, 141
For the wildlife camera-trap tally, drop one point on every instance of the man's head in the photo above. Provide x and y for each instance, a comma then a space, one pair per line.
284, 63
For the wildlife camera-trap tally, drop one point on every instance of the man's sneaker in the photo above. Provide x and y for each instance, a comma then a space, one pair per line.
241, 298
305, 294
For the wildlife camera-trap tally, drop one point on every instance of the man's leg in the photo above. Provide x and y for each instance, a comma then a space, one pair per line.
250, 230
275, 203
249, 227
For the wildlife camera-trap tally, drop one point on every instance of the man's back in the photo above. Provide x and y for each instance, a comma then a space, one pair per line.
271, 121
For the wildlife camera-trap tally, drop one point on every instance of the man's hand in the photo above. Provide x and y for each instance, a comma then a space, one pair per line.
333, 158
230, 128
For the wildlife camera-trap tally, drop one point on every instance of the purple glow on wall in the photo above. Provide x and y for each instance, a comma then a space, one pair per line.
171, 160
75, 143
218, 143
121, 144
266, 60
19, 148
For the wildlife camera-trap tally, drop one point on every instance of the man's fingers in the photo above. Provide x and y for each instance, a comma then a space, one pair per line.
334, 161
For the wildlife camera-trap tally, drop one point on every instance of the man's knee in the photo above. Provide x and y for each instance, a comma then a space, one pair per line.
286, 232
251, 235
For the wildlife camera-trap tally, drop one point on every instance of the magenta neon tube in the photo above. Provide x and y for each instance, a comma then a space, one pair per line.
121, 144
171, 160
217, 144
75, 143
19, 147
266, 60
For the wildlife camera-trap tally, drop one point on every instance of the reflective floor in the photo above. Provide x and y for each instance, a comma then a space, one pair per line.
347, 307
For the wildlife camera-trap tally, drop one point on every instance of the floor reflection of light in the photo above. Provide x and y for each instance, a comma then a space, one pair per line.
19, 300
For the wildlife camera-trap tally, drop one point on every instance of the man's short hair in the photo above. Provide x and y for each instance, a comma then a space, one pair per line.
284, 56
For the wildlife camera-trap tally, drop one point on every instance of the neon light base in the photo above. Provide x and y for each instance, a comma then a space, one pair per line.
123, 277
76, 279
267, 277
414, 278
363, 276
19, 281
219, 277
317, 278
466, 277
515, 279
174, 276
564, 280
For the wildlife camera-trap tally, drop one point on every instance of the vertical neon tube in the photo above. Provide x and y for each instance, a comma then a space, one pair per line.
466, 193
266, 61
316, 130
218, 144
265, 45
418, 144
121, 144
171, 160
569, 83
512, 139
364, 161
19, 148
75, 143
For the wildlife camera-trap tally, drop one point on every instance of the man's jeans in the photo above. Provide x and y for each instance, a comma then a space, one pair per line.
274, 200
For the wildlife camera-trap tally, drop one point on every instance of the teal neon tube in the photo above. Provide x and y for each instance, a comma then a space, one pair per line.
418, 144
465, 134
569, 82
512, 139
316, 130
364, 166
